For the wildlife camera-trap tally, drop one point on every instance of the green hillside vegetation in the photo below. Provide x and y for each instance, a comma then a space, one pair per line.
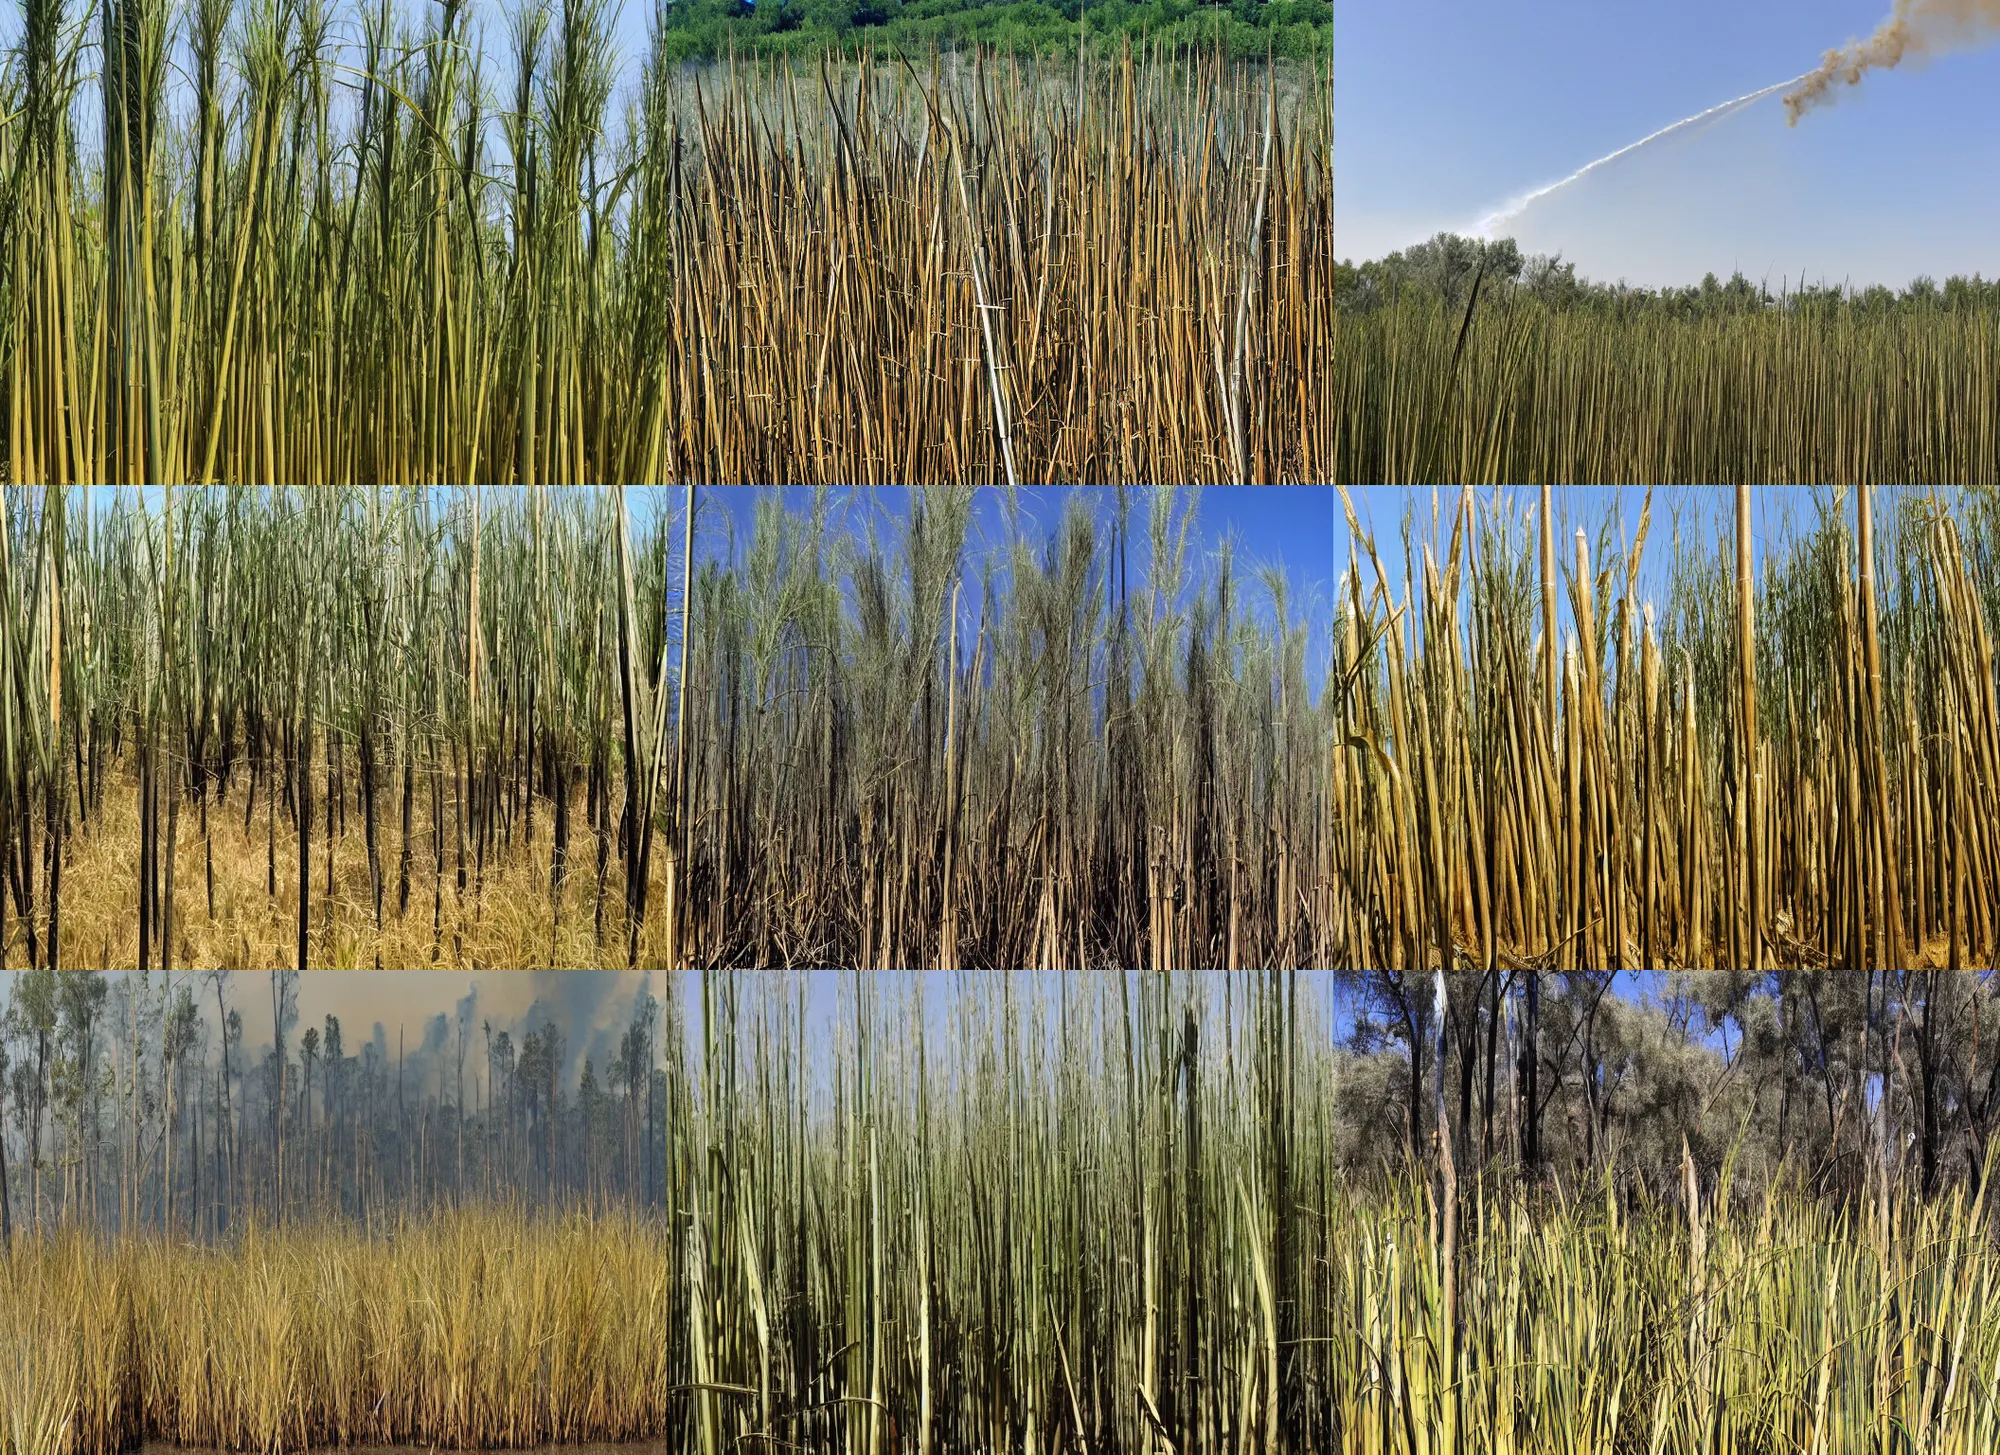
1244, 29
1444, 269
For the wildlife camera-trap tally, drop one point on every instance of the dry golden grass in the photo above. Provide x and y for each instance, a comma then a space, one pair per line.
471, 1330
504, 921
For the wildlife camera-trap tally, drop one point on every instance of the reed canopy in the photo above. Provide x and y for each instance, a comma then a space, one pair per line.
1515, 386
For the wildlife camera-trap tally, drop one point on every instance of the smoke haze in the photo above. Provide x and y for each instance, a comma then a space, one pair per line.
1914, 27
415, 1014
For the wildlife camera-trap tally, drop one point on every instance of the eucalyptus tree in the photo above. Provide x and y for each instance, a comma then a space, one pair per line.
32, 1017
16, 720
183, 1038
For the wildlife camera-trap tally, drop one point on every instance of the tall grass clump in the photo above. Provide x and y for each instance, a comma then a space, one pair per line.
1596, 1323
378, 245
1704, 781
1588, 1326
38, 1390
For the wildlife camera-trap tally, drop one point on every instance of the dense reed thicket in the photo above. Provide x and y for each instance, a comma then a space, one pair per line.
1026, 1219
272, 637
1102, 1213
1588, 1328
1430, 390
364, 248
889, 748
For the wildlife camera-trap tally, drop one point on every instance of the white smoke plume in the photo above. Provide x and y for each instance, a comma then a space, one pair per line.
1489, 225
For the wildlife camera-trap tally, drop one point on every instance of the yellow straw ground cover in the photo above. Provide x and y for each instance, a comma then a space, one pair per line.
473, 1329
512, 921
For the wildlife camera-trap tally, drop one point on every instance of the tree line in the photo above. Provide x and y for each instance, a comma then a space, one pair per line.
1445, 268
692, 30
1847, 1081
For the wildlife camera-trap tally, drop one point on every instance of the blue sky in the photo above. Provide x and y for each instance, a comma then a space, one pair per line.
1290, 526
1304, 531
1446, 109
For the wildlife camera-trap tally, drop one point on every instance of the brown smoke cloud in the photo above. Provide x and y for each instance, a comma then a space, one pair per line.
1914, 27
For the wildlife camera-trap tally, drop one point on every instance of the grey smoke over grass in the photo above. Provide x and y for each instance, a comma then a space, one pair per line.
416, 1014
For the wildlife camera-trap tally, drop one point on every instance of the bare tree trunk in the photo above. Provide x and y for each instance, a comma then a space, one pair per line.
21, 869
173, 836
56, 810
224, 1141
1447, 1193
208, 852
145, 854
367, 755
1531, 1106
172, 1127
403, 866
6, 852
